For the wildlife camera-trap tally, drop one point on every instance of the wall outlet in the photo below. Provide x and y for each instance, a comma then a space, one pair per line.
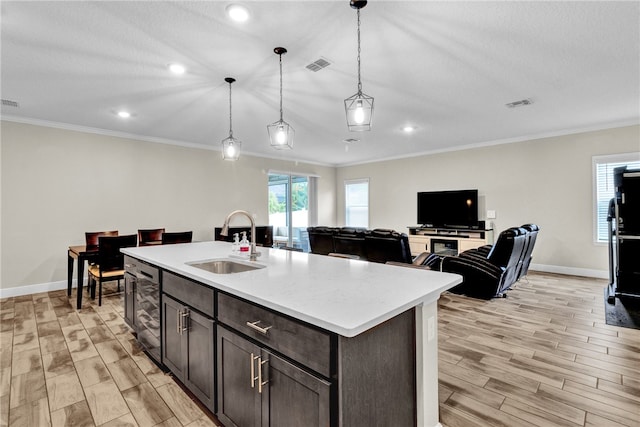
491, 214
431, 328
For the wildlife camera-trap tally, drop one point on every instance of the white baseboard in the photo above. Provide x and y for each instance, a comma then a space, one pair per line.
570, 271
35, 289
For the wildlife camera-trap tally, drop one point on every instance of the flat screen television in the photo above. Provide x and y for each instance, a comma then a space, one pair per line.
448, 209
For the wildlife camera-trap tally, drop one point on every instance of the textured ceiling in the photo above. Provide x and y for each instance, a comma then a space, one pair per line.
447, 68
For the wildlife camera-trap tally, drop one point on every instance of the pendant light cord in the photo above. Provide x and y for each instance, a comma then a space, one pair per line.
359, 81
230, 117
280, 55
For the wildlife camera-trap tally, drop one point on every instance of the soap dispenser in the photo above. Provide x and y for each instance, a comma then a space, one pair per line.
245, 246
235, 249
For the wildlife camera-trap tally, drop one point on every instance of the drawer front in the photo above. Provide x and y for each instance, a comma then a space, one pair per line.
300, 342
191, 293
141, 269
148, 272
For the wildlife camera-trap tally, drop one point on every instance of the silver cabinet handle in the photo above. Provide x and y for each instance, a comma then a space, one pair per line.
184, 323
253, 370
260, 382
178, 317
255, 327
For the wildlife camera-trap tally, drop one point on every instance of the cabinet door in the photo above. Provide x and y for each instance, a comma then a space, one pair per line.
238, 398
296, 398
418, 244
129, 300
173, 349
200, 369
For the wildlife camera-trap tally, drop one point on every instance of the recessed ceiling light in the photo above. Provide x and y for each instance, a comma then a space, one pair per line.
408, 129
177, 68
238, 13
124, 114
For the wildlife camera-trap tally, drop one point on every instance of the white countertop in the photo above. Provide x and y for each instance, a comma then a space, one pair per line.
340, 295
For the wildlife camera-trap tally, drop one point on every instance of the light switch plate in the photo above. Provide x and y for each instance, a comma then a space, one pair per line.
491, 214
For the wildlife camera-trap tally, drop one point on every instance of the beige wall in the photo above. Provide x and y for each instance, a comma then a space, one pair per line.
546, 181
57, 184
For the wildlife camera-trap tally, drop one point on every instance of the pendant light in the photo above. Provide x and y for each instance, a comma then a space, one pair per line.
359, 107
280, 133
230, 146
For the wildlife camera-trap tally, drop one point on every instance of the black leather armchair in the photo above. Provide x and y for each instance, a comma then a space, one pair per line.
489, 274
321, 239
350, 241
387, 246
527, 254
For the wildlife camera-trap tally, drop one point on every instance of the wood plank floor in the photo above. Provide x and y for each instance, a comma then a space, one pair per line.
541, 357
64, 367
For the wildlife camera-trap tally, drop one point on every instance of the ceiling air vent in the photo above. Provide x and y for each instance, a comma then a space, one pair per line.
520, 103
318, 65
9, 103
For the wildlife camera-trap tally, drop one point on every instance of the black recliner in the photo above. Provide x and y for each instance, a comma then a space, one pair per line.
387, 246
378, 245
321, 239
489, 274
532, 233
350, 241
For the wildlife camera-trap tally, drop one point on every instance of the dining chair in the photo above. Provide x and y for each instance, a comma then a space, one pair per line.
177, 237
91, 241
91, 237
110, 264
151, 236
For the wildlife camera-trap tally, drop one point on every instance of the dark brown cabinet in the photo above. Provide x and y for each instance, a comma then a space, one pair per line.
188, 340
254, 366
256, 388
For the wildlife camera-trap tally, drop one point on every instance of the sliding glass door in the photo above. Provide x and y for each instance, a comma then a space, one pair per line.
289, 209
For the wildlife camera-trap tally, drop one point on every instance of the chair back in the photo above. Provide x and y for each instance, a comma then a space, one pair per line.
387, 245
507, 254
321, 240
109, 256
350, 241
150, 236
532, 233
91, 237
177, 237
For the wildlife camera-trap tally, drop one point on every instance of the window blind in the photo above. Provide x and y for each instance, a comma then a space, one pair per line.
604, 187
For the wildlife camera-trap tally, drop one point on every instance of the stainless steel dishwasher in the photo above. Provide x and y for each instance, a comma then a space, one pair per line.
147, 307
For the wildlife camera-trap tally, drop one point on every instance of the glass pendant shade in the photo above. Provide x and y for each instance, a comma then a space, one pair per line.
231, 148
281, 133
230, 145
359, 109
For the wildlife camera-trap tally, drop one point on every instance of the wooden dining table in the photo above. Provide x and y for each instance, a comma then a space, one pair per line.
82, 253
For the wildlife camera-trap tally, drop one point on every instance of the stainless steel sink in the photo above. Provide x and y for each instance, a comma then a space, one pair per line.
225, 266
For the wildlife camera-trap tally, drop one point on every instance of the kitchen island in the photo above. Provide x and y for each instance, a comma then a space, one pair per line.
359, 337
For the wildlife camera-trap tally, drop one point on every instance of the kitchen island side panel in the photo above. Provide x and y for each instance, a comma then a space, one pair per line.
377, 377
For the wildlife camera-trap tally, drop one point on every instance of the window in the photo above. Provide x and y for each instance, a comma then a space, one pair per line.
292, 208
603, 167
356, 202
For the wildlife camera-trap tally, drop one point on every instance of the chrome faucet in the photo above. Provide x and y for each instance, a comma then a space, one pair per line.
254, 254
